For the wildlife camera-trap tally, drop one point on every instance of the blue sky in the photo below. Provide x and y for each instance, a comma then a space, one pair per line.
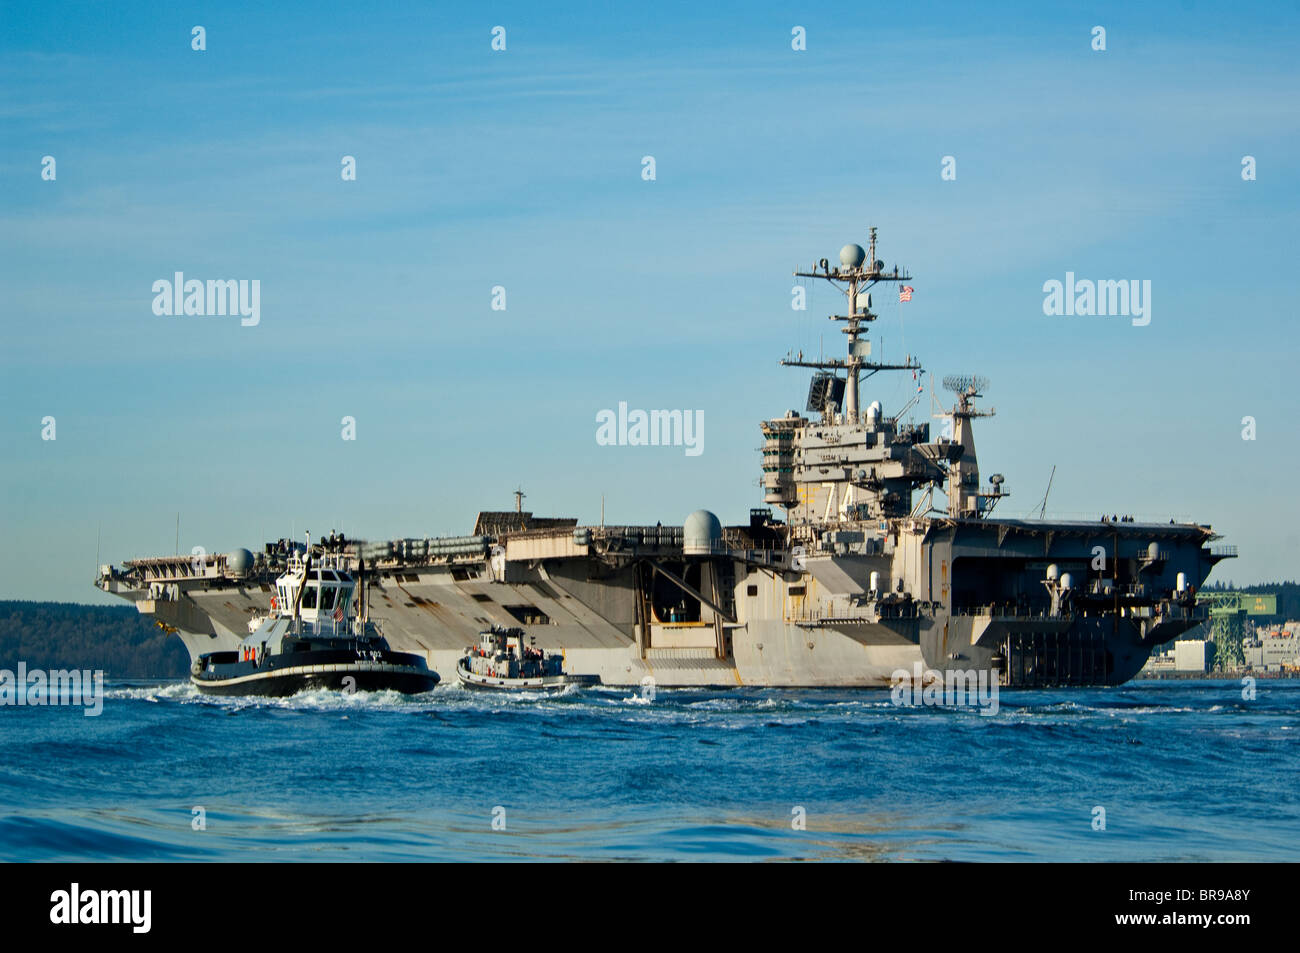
523, 169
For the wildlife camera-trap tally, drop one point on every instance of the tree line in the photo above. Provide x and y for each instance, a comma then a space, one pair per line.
66, 635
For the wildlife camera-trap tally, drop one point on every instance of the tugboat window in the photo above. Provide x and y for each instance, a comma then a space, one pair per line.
309, 597
327, 597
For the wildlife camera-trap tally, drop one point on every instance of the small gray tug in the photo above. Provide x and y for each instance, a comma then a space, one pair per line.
503, 662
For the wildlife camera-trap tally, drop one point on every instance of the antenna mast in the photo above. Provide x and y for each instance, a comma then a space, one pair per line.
965, 496
860, 271
1043, 509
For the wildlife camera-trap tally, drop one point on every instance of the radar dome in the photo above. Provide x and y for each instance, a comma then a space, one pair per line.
239, 562
701, 534
852, 256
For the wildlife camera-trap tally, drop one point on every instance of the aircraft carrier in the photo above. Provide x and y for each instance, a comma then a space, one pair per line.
851, 572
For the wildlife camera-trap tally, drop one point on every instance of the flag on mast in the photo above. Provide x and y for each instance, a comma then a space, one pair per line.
905, 293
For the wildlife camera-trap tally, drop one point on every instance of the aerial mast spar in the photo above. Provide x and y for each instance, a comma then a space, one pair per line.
860, 270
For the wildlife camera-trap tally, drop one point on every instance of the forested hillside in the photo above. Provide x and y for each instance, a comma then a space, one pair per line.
116, 639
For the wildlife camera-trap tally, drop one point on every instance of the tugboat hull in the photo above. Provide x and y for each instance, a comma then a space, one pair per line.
289, 679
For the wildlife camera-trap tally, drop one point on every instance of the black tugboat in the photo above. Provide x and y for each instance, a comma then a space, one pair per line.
503, 662
312, 639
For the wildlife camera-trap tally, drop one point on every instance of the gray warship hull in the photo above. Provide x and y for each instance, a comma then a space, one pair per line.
860, 585
628, 604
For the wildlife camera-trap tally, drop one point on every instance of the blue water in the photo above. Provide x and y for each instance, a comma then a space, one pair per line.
1184, 771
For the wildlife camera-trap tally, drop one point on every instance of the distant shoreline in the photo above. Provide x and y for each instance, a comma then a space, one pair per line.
1232, 675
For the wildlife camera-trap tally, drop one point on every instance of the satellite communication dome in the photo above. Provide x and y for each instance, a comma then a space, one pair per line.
701, 534
852, 256
239, 562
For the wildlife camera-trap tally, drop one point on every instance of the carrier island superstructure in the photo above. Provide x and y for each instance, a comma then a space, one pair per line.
849, 574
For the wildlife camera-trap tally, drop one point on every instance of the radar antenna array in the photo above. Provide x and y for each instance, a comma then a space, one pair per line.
971, 385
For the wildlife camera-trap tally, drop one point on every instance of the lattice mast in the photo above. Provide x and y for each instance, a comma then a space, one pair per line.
858, 273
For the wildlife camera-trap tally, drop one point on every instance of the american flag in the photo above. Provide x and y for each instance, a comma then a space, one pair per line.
338, 614
905, 293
